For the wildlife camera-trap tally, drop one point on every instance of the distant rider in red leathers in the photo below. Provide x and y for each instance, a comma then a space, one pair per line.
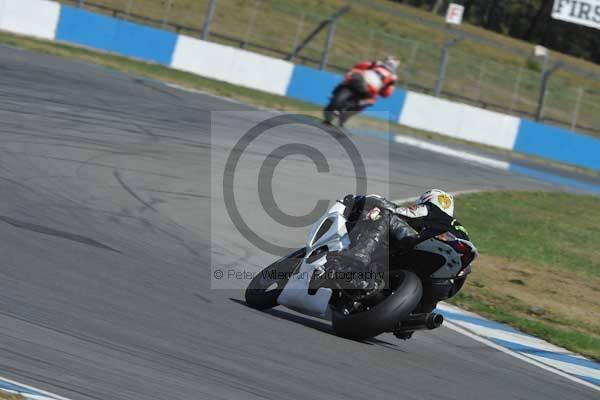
367, 80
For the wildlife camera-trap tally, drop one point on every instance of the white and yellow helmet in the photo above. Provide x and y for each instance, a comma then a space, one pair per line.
442, 200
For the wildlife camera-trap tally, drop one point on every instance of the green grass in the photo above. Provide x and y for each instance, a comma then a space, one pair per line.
507, 312
548, 228
540, 264
10, 396
367, 32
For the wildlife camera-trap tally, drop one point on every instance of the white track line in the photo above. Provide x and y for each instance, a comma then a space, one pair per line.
45, 395
435, 148
410, 141
520, 356
456, 193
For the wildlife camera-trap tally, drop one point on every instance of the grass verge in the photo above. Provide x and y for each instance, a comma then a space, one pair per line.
10, 396
540, 266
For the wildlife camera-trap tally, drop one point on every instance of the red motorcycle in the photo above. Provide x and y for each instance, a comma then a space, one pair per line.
360, 88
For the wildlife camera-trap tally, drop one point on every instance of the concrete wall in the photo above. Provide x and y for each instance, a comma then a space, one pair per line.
37, 18
459, 120
232, 65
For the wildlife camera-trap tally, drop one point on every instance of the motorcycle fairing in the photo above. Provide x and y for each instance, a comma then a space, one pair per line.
328, 231
453, 263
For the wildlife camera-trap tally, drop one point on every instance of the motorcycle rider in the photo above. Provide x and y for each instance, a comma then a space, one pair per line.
383, 228
379, 79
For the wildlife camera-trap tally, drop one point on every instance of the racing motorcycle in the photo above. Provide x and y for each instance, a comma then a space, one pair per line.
347, 97
299, 281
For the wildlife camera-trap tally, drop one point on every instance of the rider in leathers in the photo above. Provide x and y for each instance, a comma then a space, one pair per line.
379, 78
383, 228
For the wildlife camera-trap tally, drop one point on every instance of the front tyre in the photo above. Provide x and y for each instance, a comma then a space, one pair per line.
384, 316
266, 286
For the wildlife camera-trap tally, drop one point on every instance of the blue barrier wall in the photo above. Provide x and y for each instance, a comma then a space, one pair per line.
392, 106
110, 34
558, 144
311, 85
314, 86
86, 28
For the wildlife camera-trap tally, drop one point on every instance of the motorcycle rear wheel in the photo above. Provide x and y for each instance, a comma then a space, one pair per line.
384, 316
342, 102
266, 286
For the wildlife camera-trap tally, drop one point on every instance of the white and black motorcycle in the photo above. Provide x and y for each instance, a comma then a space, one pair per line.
296, 281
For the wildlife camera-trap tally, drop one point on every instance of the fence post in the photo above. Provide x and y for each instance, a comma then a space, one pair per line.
251, 23
370, 43
516, 90
299, 30
411, 62
210, 11
439, 83
328, 44
166, 12
539, 114
580, 93
329, 21
128, 7
436, 6
481, 74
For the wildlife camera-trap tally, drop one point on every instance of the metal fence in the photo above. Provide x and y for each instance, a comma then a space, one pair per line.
571, 97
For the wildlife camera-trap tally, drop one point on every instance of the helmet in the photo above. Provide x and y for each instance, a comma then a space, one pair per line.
442, 200
391, 63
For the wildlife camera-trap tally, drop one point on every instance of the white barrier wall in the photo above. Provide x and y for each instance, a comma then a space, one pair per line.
459, 120
239, 67
37, 18
202, 58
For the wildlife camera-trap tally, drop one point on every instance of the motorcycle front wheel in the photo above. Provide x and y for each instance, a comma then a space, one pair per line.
384, 316
266, 286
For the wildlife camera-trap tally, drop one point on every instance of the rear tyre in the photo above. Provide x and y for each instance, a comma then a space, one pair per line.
266, 286
342, 101
383, 317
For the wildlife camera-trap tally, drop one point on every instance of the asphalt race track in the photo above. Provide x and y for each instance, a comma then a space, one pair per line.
109, 225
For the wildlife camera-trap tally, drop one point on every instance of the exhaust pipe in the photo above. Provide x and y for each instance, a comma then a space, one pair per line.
417, 322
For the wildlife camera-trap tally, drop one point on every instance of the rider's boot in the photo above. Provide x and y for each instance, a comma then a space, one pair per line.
328, 116
369, 288
404, 335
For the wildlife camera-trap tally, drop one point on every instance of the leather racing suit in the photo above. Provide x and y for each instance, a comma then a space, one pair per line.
378, 228
380, 81
372, 79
